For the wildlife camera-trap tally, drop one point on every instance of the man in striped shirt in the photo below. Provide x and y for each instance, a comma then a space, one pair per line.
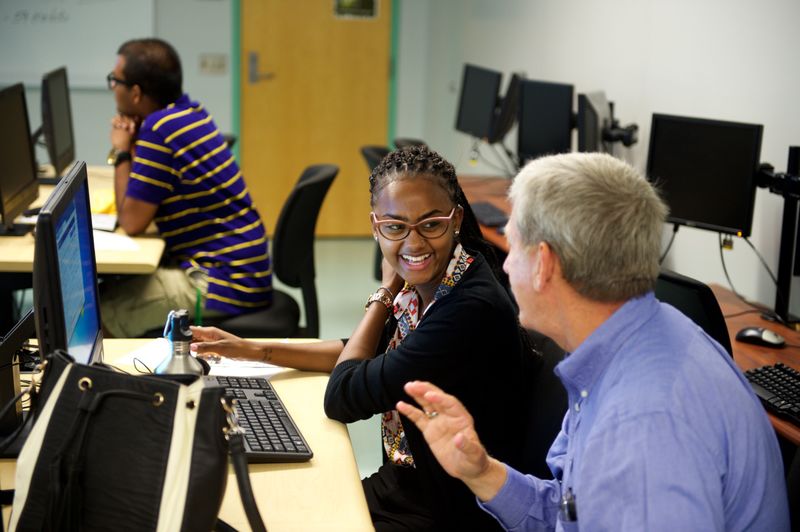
173, 167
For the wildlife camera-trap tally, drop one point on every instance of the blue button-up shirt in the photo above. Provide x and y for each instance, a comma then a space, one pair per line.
662, 433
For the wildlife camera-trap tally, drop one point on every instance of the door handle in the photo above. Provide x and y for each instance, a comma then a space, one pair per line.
253, 75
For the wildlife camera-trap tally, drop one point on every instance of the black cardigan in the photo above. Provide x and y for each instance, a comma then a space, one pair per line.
468, 344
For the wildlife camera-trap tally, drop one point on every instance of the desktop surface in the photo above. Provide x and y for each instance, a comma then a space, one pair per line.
322, 494
115, 253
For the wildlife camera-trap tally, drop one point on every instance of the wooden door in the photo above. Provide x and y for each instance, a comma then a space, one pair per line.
325, 96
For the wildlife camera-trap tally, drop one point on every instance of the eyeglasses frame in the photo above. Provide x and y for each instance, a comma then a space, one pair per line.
412, 227
112, 81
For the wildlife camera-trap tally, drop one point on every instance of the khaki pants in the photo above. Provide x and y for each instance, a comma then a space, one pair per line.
134, 306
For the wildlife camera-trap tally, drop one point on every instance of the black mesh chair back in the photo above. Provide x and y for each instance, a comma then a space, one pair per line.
404, 142
547, 404
292, 263
697, 302
372, 156
293, 242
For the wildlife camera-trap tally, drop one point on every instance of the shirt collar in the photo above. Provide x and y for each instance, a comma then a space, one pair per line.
581, 369
183, 101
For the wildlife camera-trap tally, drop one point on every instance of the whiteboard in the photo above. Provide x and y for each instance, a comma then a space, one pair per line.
37, 36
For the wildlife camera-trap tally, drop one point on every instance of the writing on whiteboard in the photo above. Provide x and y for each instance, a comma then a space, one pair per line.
54, 15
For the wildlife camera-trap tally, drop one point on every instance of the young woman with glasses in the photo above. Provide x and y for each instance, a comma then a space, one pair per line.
440, 315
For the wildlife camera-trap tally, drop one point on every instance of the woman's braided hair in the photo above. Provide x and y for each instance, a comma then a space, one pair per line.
422, 161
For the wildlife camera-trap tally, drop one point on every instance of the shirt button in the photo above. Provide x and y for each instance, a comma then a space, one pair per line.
584, 394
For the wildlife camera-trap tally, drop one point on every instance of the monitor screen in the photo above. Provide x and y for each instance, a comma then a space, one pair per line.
18, 184
476, 109
65, 293
506, 113
706, 171
594, 116
57, 120
545, 119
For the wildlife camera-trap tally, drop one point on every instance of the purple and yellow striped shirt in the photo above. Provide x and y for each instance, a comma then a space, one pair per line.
205, 213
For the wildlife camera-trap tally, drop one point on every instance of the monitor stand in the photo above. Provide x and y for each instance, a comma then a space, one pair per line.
16, 229
12, 343
49, 180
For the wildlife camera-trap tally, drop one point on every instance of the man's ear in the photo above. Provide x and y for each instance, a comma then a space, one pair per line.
545, 265
136, 94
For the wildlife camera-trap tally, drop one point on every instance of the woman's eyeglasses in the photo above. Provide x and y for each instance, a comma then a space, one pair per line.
114, 81
433, 227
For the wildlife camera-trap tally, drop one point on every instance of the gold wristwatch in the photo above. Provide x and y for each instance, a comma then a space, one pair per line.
380, 295
117, 157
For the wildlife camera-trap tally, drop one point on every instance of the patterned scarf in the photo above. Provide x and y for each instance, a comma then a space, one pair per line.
407, 312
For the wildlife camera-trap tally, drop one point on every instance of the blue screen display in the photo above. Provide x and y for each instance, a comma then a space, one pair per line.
76, 271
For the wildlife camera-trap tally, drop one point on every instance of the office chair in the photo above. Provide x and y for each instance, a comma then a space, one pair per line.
547, 405
697, 302
230, 138
292, 263
403, 142
372, 156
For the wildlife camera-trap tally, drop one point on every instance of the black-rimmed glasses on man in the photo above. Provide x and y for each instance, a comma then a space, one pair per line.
113, 81
433, 227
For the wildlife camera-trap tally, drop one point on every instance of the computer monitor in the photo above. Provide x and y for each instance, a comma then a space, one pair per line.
594, 117
506, 112
65, 297
18, 184
706, 171
545, 119
57, 120
476, 108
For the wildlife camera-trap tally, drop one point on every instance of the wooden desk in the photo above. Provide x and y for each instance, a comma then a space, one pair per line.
493, 190
748, 356
16, 253
323, 494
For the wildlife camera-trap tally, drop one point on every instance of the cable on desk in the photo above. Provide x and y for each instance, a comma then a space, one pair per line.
669, 244
766, 314
737, 314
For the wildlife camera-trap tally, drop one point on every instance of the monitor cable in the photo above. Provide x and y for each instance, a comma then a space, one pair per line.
475, 156
504, 156
765, 313
669, 244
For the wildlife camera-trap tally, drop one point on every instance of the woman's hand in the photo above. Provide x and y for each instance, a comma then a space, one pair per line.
450, 432
210, 341
390, 279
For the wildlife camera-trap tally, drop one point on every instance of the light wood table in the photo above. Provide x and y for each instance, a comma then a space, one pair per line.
322, 494
16, 252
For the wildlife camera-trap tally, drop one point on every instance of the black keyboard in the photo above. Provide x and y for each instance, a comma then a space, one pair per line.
488, 214
778, 387
270, 433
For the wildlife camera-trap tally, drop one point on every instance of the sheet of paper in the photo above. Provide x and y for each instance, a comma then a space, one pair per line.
150, 354
105, 241
104, 222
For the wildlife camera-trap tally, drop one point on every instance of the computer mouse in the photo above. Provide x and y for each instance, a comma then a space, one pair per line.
760, 336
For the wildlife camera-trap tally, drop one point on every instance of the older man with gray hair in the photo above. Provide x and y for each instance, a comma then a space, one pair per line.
663, 431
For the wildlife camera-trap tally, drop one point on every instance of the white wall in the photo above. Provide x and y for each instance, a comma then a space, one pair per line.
193, 27
724, 59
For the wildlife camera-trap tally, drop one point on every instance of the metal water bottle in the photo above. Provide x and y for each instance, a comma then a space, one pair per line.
177, 331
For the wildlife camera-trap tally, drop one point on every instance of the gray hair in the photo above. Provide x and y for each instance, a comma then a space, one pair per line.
599, 215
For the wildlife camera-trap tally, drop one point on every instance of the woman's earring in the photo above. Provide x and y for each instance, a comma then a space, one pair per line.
457, 231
